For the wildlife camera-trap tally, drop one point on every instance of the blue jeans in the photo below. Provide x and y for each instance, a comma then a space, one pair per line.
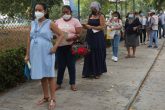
153, 35
115, 45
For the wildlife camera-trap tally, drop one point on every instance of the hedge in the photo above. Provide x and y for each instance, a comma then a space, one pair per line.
11, 68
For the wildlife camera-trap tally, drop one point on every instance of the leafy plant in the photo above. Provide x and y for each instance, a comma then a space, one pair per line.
11, 67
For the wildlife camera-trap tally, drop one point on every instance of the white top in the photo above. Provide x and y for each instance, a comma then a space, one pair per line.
143, 20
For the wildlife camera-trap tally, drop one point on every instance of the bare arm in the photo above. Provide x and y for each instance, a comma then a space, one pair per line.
28, 47
60, 35
78, 31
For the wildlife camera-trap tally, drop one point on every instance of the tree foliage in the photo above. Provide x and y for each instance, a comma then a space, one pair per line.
22, 7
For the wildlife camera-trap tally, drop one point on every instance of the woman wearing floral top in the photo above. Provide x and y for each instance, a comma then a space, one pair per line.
115, 25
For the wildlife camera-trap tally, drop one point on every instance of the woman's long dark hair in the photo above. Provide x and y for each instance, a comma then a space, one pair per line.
45, 9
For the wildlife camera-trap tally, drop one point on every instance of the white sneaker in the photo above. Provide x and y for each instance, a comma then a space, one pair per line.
115, 59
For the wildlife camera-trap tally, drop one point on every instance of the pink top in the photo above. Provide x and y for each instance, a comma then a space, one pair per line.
69, 28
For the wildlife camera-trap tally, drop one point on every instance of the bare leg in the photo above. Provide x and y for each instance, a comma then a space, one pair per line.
134, 51
128, 50
44, 83
52, 87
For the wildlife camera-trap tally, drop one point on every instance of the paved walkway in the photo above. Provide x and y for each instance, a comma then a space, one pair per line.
112, 92
152, 95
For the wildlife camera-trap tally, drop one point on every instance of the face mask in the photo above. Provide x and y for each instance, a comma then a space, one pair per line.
131, 16
39, 15
115, 17
94, 12
66, 17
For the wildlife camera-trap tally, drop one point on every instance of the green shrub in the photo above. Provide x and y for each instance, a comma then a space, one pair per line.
11, 68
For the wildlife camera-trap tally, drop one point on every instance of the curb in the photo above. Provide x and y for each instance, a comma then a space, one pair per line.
136, 93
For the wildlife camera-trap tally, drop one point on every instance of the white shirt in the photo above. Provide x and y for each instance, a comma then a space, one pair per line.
143, 20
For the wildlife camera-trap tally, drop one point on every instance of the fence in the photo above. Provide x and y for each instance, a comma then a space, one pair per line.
13, 33
13, 37
14, 30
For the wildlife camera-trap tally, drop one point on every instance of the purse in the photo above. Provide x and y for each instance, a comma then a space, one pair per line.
80, 48
27, 70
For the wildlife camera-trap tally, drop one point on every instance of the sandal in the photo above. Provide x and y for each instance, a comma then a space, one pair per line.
73, 88
52, 104
58, 87
97, 77
42, 101
133, 56
128, 56
84, 76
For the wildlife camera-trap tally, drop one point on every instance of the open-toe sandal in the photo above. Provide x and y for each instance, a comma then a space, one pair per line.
128, 56
52, 104
43, 100
73, 88
133, 56
58, 87
97, 77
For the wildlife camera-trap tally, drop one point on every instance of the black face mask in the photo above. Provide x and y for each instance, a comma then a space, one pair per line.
94, 12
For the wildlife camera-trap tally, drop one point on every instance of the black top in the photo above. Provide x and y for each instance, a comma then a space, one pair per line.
129, 27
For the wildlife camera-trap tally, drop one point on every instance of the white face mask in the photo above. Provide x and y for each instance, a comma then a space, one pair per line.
39, 15
115, 17
66, 17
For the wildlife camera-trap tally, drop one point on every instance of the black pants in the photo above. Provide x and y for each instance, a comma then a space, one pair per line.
143, 36
65, 59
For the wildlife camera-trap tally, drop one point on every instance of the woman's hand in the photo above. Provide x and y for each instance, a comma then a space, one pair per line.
53, 50
26, 58
135, 28
72, 39
89, 26
86, 26
77, 35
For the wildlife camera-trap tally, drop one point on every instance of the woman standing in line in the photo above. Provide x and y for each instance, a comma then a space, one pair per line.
72, 27
115, 24
132, 35
41, 52
94, 62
